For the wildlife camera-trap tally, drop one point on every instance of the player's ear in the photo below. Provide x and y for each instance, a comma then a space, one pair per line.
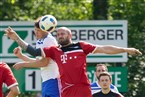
70, 36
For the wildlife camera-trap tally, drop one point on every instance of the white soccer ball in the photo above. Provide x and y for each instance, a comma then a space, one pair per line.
48, 23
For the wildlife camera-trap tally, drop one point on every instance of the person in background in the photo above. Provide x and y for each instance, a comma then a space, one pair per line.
105, 81
95, 87
7, 77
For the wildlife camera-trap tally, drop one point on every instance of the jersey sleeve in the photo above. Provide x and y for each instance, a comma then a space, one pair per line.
9, 78
87, 47
48, 52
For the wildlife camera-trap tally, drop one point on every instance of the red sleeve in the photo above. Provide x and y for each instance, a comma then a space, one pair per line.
8, 76
87, 47
48, 51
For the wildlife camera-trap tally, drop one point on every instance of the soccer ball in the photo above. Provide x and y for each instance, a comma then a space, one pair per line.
48, 23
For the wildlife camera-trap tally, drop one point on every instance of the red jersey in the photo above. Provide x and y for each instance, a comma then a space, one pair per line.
71, 61
7, 77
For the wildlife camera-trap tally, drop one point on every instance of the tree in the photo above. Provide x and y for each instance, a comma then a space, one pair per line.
23, 10
133, 11
100, 9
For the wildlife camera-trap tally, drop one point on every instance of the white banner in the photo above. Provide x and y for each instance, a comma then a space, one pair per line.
95, 32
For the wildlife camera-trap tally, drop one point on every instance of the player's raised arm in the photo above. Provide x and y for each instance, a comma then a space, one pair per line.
9, 32
109, 49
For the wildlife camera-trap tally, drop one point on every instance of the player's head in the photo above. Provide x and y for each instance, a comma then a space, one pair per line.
64, 36
100, 68
38, 32
105, 80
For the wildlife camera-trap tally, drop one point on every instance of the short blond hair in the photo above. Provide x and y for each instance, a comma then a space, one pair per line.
102, 65
36, 22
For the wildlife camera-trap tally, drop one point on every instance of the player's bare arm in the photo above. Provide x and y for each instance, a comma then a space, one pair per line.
109, 49
38, 63
14, 92
18, 52
9, 32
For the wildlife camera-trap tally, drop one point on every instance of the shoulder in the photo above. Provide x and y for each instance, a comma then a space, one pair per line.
7, 73
94, 84
86, 44
95, 87
49, 36
4, 65
51, 49
1, 63
117, 94
83, 42
114, 88
97, 94
49, 39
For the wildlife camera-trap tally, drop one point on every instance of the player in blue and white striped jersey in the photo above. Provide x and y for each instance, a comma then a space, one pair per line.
49, 73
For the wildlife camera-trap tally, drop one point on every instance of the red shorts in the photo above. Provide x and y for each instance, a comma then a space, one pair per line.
77, 91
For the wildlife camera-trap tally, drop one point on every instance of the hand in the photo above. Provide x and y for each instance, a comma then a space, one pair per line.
18, 65
18, 51
9, 32
133, 51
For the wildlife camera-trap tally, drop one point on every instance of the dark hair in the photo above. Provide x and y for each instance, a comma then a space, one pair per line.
105, 74
36, 22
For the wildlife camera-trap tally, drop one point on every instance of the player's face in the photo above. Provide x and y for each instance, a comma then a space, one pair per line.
39, 33
99, 70
63, 37
105, 82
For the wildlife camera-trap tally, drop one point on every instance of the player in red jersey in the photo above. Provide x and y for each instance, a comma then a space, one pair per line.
7, 77
71, 60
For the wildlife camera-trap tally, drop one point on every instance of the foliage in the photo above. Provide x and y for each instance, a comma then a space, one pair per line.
31, 9
133, 11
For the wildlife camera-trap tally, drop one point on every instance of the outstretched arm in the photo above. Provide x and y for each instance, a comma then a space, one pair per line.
35, 64
109, 49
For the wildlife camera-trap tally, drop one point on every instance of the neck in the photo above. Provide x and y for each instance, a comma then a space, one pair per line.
44, 35
66, 45
106, 91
